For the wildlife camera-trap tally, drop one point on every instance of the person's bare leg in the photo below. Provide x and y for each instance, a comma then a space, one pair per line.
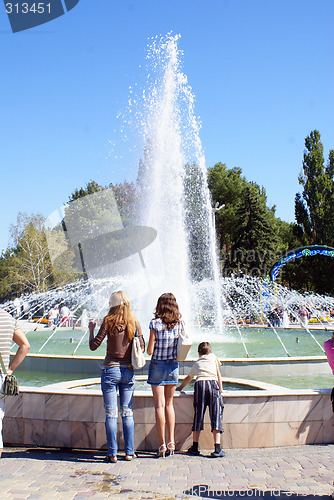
170, 412
1, 451
218, 453
159, 405
196, 436
216, 437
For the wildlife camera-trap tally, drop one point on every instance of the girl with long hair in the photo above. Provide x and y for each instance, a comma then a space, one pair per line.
119, 326
163, 372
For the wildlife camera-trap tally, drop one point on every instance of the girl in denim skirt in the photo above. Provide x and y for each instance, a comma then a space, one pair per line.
163, 371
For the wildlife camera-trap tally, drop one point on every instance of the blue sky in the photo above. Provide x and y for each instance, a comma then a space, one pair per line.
261, 71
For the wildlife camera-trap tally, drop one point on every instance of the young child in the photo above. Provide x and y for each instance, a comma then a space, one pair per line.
207, 392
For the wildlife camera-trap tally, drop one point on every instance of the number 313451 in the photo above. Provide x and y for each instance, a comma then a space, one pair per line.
25, 8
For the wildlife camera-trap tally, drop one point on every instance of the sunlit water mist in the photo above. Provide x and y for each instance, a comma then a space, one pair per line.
173, 184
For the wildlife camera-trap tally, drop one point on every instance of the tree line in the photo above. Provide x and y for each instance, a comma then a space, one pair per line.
250, 238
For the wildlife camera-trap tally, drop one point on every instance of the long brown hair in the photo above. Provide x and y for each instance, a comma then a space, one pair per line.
168, 310
120, 312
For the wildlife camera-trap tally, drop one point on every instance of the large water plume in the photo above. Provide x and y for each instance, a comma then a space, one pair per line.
173, 183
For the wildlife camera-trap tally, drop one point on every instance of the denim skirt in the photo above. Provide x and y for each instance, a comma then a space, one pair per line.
163, 372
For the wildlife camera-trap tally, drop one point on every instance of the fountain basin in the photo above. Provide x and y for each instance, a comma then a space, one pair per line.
295, 372
74, 418
141, 385
260, 342
68, 415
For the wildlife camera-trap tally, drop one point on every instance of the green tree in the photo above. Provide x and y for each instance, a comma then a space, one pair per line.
93, 223
314, 207
124, 193
30, 267
7, 288
255, 242
241, 248
126, 198
314, 213
90, 188
226, 187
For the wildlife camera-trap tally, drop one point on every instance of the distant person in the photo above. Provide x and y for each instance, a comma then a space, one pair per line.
304, 316
17, 305
64, 316
9, 331
53, 315
119, 326
329, 350
58, 314
163, 372
207, 393
285, 320
274, 317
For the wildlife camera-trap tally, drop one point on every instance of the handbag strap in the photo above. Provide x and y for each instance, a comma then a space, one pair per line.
3, 368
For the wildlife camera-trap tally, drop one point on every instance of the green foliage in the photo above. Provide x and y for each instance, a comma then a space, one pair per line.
126, 198
314, 212
250, 237
247, 230
314, 207
124, 193
226, 188
91, 187
29, 266
39, 259
94, 212
7, 289
254, 238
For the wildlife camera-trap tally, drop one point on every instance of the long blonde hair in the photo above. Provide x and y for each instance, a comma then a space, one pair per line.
120, 312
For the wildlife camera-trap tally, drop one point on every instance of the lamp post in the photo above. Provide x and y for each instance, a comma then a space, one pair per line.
215, 209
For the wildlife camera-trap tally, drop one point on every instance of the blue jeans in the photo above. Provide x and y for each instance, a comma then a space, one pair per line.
123, 378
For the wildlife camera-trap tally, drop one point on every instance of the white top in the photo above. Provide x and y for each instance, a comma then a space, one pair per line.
205, 368
53, 313
7, 327
65, 312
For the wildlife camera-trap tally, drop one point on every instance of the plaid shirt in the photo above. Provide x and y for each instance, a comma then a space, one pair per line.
165, 346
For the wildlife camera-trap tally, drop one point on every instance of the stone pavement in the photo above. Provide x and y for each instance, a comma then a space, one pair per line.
36, 474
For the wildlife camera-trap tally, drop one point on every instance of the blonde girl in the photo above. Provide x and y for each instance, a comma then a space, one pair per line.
119, 326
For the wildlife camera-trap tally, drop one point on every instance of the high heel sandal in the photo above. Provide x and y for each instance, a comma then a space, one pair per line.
162, 451
111, 459
171, 448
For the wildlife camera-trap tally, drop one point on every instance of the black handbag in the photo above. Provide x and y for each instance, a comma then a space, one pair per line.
332, 399
11, 385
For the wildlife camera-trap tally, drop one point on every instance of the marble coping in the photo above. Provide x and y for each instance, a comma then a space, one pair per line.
82, 384
192, 360
269, 392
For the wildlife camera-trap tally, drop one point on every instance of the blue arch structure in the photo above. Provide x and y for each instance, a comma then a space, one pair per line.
300, 252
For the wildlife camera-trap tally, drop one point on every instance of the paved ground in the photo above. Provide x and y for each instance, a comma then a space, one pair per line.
31, 473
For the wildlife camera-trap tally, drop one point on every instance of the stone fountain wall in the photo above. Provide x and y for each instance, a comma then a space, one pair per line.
75, 419
230, 367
